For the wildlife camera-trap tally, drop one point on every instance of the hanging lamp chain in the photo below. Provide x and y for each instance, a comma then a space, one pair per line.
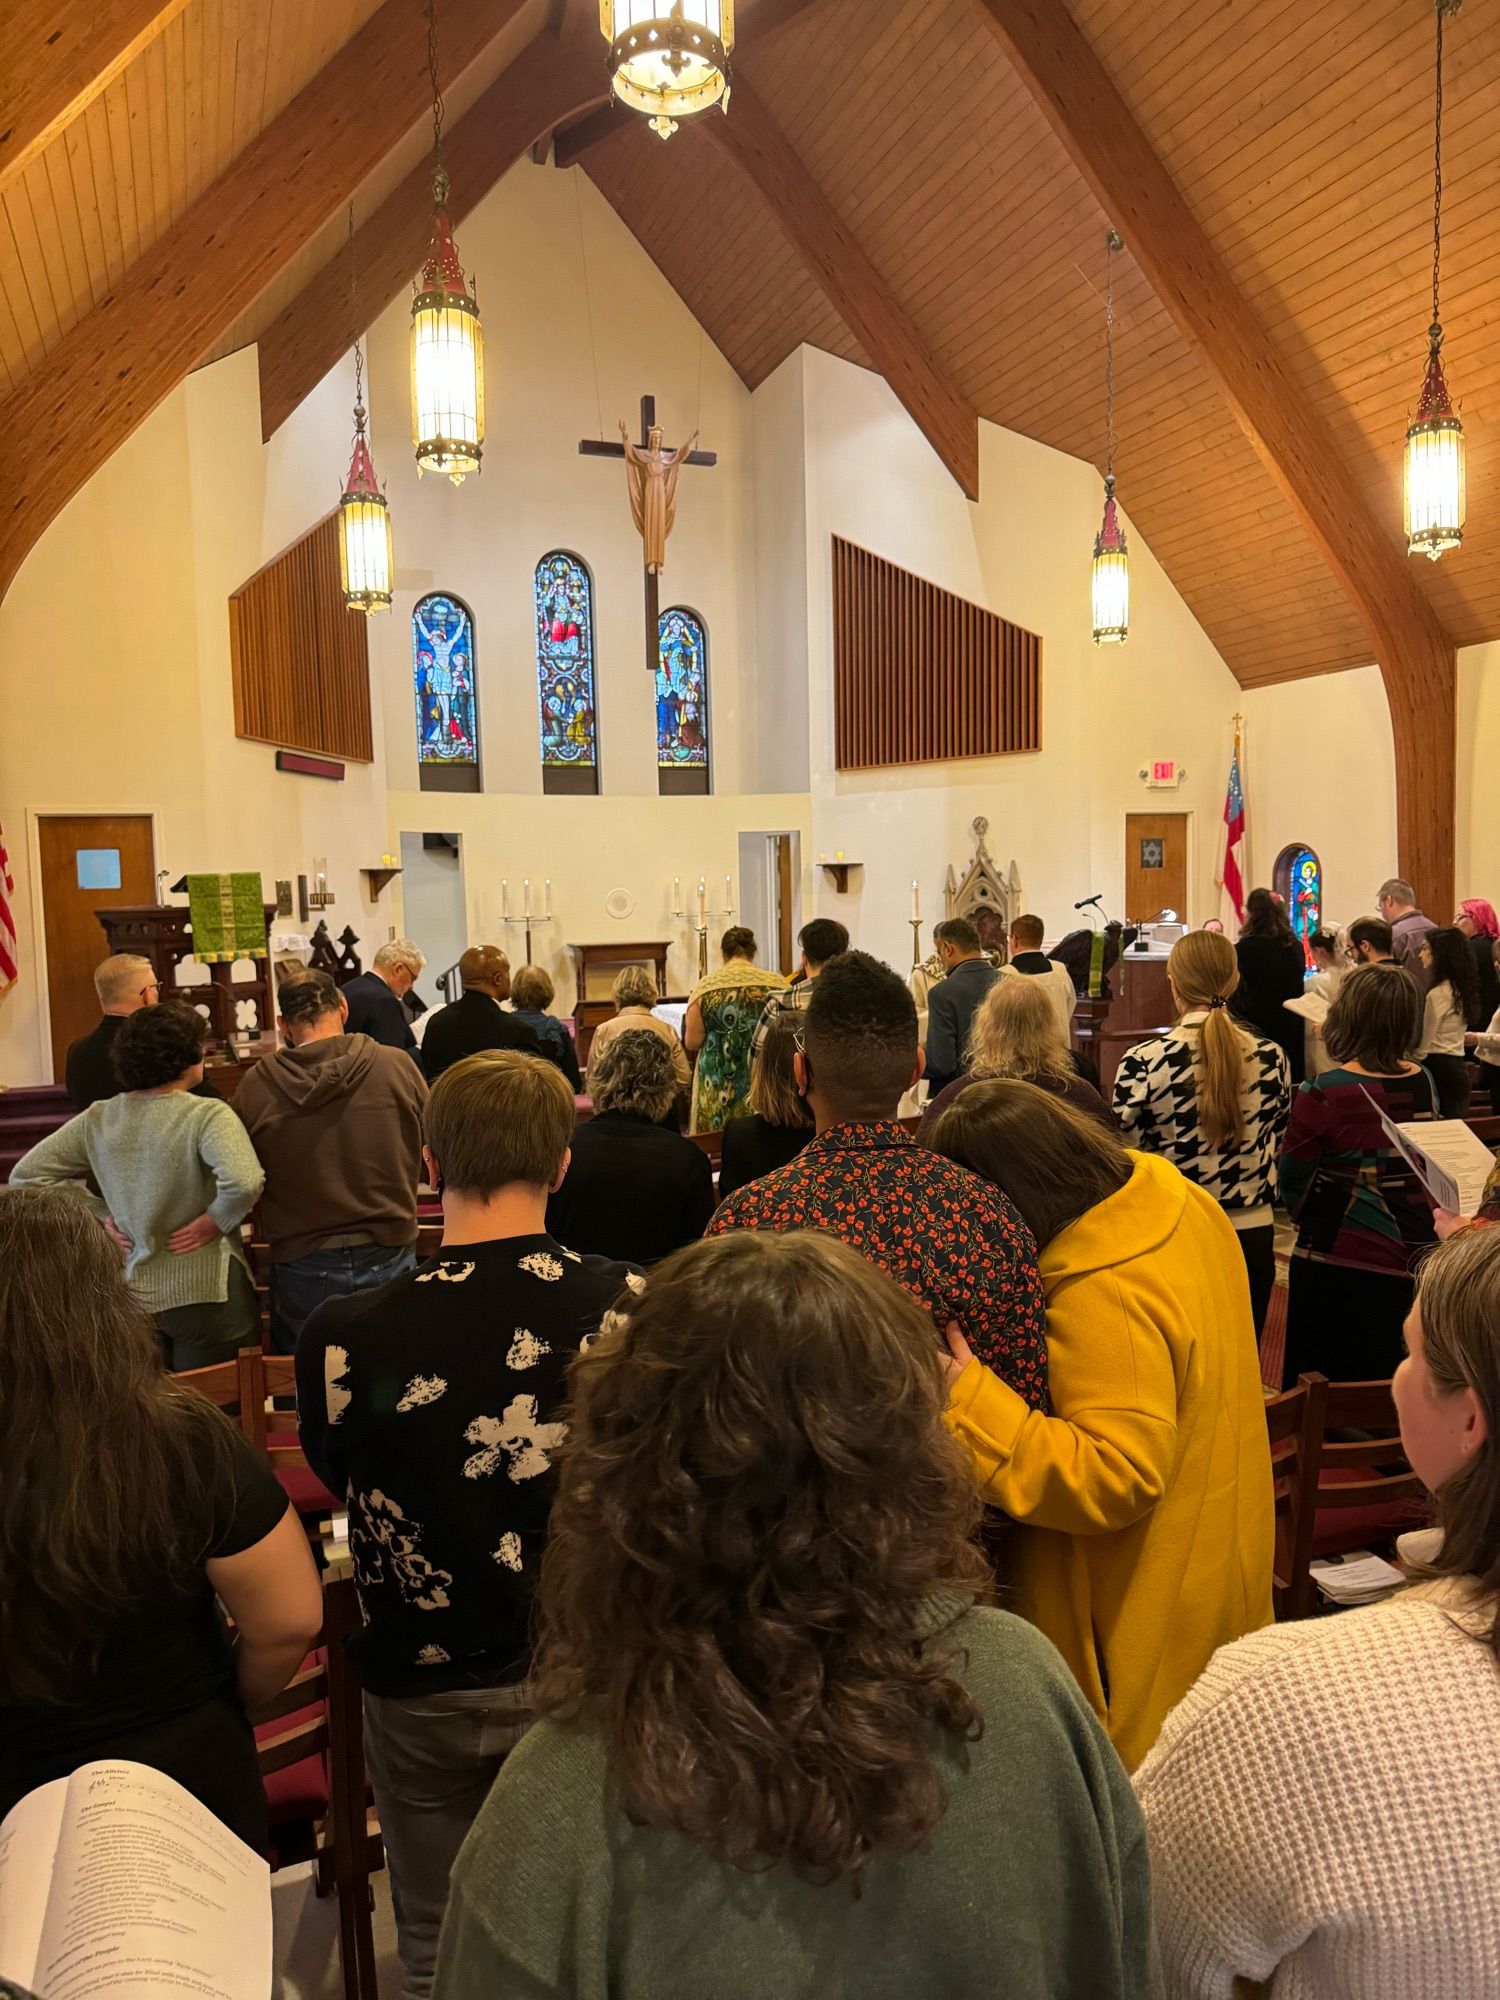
359, 356
1435, 331
1115, 244
439, 174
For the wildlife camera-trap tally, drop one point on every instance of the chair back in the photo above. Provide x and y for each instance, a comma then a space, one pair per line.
222, 1383
1367, 1491
1294, 1423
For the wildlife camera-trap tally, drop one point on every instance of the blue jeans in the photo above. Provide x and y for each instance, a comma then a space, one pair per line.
301, 1284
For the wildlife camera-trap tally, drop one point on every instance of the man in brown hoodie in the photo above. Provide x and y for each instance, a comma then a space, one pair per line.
336, 1122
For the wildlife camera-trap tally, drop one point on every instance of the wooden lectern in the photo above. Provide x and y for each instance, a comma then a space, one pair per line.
1140, 1006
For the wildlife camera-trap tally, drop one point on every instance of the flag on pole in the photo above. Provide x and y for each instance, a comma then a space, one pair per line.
10, 970
1231, 879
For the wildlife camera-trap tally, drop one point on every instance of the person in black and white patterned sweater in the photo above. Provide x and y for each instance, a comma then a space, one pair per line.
1213, 1098
433, 1404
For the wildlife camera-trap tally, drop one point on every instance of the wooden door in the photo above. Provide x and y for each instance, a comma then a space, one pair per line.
1155, 865
783, 843
89, 863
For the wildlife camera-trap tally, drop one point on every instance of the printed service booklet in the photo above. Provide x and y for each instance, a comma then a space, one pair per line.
116, 1882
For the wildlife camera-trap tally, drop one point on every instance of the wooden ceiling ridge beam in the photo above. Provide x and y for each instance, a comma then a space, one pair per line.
55, 59
1131, 184
850, 282
122, 358
755, 26
552, 79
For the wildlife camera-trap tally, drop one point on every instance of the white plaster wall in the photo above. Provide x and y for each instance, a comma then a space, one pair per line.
1022, 551
1320, 768
1478, 859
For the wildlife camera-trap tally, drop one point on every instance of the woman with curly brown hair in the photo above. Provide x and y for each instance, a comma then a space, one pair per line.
782, 1750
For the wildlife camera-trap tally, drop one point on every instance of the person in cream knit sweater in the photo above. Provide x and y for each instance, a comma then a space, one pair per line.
1321, 1806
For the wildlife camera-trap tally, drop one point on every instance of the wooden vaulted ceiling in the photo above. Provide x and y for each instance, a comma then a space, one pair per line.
1298, 135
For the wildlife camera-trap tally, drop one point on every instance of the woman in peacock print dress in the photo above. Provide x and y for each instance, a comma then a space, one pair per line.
720, 1025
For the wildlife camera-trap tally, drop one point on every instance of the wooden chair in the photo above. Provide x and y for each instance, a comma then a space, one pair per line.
1367, 1492
1294, 1421
222, 1384
316, 1790
263, 1376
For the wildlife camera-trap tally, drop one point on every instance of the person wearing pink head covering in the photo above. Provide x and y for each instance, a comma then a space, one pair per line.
1477, 920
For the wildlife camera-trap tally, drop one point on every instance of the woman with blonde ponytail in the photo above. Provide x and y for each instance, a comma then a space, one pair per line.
1212, 1097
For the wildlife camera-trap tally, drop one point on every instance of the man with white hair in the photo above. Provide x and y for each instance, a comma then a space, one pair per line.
374, 998
124, 984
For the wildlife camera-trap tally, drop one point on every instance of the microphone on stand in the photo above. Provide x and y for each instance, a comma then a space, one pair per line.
1086, 902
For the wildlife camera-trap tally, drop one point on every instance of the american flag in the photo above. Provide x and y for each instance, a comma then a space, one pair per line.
10, 971
1231, 877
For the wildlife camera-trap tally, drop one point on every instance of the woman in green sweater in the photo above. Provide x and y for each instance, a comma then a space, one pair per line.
176, 1175
782, 1750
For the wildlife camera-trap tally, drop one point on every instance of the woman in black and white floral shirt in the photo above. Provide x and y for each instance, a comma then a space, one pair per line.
1212, 1098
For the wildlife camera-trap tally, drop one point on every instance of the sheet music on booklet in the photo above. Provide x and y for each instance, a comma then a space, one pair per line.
116, 1882
1447, 1156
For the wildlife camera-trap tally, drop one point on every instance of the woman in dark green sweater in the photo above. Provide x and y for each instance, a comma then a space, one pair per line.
783, 1752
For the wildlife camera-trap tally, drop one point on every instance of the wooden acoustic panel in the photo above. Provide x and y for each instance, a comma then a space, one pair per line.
920, 675
300, 659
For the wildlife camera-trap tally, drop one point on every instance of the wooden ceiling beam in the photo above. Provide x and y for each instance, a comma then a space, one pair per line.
550, 80
1133, 187
117, 363
755, 26
56, 57
849, 281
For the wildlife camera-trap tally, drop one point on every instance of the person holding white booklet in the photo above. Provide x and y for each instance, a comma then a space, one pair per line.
130, 1508
117, 1882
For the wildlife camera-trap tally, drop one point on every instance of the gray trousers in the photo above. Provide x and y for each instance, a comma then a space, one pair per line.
432, 1759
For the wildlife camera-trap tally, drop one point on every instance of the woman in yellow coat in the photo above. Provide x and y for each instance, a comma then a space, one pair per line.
1145, 1499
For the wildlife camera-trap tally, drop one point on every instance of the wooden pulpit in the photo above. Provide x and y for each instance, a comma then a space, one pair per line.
163, 933
1140, 1006
589, 1014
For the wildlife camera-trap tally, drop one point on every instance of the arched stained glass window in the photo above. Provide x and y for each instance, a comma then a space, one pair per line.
442, 650
1298, 880
565, 674
681, 702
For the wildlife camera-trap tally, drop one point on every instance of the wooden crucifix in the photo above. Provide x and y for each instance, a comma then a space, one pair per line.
652, 470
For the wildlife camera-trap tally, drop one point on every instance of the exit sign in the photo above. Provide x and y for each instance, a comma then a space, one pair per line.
1163, 774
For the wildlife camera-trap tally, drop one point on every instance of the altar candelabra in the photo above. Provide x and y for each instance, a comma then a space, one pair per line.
528, 917
704, 913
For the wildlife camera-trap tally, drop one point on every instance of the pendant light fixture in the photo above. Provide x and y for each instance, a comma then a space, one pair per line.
669, 58
1435, 442
1111, 576
364, 518
447, 342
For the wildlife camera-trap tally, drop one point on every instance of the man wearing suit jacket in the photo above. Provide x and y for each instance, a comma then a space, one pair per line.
375, 998
952, 1002
476, 1021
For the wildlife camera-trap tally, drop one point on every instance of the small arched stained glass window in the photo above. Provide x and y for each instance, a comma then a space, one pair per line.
443, 677
565, 674
1298, 880
682, 760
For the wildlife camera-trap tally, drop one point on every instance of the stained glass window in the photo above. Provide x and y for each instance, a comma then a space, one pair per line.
1299, 883
442, 648
681, 702
565, 674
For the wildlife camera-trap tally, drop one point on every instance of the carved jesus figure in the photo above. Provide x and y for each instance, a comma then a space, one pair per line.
651, 475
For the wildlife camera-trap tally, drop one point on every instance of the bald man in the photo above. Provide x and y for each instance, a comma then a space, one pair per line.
476, 1020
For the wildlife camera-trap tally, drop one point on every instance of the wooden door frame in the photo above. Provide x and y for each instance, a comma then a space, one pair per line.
33, 816
1190, 814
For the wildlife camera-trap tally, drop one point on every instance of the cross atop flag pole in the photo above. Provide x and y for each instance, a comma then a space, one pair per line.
1231, 878
10, 970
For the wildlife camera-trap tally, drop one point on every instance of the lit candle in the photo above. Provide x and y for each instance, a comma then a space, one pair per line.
548, 887
702, 903
916, 904
676, 895
728, 895
526, 897
505, 899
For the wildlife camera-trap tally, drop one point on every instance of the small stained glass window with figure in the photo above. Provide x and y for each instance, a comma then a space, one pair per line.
682, 759
444, 681
1298, 880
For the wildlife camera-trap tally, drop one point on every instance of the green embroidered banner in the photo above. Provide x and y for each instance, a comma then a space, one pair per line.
228, 916
1096, 966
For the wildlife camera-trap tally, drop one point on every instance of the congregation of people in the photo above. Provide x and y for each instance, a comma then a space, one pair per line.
849, 1575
